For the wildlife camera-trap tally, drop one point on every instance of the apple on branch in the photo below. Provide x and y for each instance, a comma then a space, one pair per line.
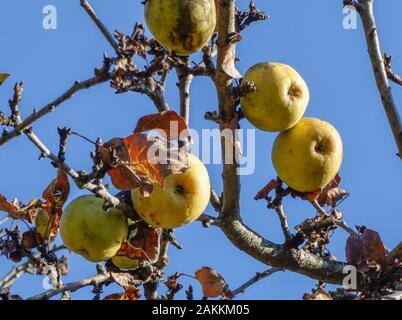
181, 26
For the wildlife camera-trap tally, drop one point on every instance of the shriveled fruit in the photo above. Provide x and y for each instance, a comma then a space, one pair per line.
181, 26
308, 156
87, 229
281, 98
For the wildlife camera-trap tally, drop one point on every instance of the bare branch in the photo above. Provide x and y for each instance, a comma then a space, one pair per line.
365, 9
215, 201
15, 273
108, 36
208, 220
73, 286
100, 191
258, 276
77, 86
185, 80
391, 73
284, 224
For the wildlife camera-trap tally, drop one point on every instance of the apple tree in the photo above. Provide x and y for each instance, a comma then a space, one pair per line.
163, 187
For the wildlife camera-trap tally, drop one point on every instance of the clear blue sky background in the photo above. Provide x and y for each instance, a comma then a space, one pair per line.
304, 34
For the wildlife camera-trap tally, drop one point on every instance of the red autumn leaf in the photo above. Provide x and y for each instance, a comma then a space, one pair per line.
141, 161
354, 251
264, 192
3, 77
6, 206
171, 125
130, 294
212, 283
56, 194
331, 194
319, 294
373, 246
144, 246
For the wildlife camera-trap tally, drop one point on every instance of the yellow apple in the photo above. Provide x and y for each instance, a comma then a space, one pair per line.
124, 262
308, 156
281, 98
87, 229
183, 199
181, 26
42, 223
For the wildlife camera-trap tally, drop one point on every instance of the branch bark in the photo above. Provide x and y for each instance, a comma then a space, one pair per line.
100, 191
73, 286
258, 276
365, 9
185, 80
87, 7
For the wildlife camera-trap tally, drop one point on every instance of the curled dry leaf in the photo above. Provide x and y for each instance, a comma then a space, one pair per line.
319, 294
212, 283
229, 60
373, 246
3, 77
354, 251
141, 161
364, 248
19, 211
331, 194
264, 192
130, 294
169, 124
56, 194
144, 246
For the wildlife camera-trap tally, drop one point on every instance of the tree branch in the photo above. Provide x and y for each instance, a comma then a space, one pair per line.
258, 276
284, 223
18, 130
99, 191
365, 9
73, 286
185, 80
108, 36
391, 73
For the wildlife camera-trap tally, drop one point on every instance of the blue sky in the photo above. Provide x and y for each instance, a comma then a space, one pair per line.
307, 36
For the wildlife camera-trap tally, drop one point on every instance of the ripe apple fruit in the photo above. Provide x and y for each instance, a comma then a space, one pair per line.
125, 262
87, 229
182, 200
42, 223
181, 26
281, 98
308, 156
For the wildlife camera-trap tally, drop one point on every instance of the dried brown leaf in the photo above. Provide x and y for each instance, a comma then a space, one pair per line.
212, 283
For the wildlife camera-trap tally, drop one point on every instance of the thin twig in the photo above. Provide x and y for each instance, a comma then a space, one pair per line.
100, 191
208, 221
185, 80
91, 12
77, 86
259, 276
391, 73
4, 220
73, 286
215, 201
284, 223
